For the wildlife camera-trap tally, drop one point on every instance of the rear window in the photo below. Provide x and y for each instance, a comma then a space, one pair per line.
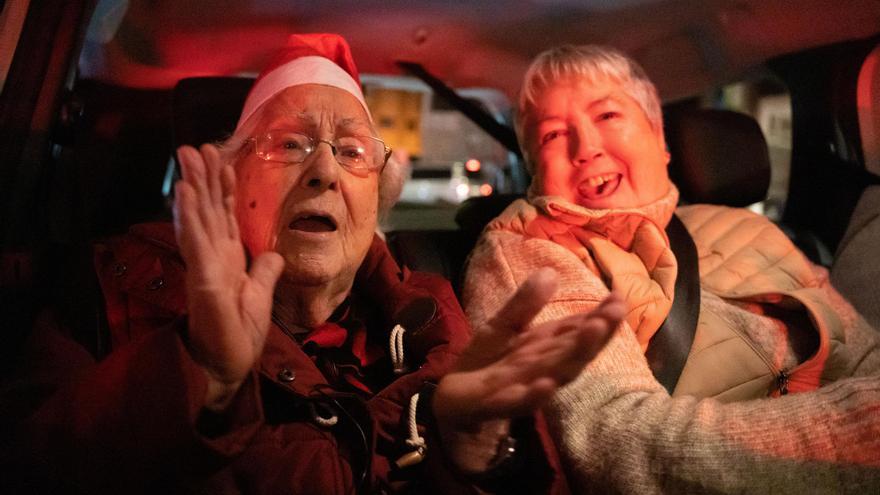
449, 157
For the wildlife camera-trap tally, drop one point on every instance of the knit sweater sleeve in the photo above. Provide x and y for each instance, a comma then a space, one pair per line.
620, 431
502, 261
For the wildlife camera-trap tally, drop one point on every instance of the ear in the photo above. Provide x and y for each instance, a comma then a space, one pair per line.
661, 142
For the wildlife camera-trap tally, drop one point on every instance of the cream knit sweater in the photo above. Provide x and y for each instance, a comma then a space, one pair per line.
620, 431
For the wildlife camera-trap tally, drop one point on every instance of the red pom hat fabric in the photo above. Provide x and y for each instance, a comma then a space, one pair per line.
306, 59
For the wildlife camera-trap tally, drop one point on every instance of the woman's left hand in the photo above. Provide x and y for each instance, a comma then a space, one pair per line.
510, 370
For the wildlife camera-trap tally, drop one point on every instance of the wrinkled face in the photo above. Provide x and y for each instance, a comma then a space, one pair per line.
594, 146
318, 215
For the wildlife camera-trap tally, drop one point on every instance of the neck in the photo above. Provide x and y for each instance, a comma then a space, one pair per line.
307, 306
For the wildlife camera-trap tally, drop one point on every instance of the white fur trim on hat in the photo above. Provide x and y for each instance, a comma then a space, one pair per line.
302, 70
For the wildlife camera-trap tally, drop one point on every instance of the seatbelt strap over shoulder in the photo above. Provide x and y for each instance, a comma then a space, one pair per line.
669, 347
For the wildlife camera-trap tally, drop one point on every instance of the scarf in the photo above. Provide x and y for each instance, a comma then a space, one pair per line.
626, 247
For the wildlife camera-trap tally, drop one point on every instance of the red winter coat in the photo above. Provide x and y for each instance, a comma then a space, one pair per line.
133, 422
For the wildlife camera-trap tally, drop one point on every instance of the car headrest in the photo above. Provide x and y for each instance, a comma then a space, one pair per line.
868, 108
206, 109
718, 157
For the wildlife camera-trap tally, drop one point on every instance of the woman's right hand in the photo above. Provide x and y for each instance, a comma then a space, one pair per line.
229, 306
512, 368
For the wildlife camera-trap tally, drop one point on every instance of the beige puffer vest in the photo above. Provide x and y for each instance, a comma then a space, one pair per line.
742, 257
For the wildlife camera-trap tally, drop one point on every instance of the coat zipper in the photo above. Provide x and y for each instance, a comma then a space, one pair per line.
782, 376
782, 382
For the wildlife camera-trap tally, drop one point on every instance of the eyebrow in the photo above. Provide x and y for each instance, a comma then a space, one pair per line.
307, 120
595, 103
354, 122
283, 119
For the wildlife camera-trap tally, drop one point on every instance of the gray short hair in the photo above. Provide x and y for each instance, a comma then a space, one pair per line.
391, 180
587, 62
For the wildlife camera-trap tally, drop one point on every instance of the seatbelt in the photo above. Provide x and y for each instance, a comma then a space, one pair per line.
669, 347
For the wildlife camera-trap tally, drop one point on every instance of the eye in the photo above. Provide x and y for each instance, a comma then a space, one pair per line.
291, 141
551, 135
352, 152
291, 145
607, 116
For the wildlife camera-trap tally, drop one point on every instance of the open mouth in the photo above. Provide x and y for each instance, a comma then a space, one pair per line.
599, 186
313, 223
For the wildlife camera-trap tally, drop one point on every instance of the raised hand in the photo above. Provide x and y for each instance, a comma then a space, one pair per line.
229, 307
510, 370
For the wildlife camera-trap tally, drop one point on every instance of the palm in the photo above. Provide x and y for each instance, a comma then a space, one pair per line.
229, 308
506, 372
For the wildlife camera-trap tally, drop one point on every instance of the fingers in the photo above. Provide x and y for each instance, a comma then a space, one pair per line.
466, 398
559, 350
227, 179
213, 167
534, 364
188, 227
610, 312
526, 303
491, 341
520, 399
204, 171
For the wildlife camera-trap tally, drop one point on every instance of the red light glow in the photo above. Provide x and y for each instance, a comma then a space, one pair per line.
472, 165
485, 189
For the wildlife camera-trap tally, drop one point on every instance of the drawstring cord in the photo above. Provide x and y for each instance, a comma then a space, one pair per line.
395, 345
416, 441
326, 422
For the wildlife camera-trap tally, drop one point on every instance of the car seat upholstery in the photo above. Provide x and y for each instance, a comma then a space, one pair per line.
721, 157
718, 157
206, 109
856, 270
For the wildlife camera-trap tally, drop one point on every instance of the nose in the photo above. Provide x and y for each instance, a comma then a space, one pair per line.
586, 145
321, 170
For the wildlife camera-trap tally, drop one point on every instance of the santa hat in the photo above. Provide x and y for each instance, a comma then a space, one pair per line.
306, 59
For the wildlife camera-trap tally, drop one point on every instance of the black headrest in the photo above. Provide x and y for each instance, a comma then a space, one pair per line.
206, 109
478, 211
718, 157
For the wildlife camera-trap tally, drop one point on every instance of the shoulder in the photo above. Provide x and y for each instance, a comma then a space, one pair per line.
743, 252
715, 220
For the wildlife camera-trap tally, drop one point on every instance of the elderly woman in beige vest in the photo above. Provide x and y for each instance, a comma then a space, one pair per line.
781, 389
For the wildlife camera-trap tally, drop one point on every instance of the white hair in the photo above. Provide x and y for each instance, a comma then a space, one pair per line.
589, 63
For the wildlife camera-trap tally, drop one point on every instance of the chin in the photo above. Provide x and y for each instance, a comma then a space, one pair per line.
612, 202
310, 269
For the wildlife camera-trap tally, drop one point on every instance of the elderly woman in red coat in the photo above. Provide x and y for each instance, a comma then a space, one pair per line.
286, 351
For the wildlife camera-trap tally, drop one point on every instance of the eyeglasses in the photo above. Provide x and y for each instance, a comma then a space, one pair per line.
356, 153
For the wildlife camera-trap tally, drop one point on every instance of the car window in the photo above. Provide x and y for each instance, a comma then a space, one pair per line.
450, 159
